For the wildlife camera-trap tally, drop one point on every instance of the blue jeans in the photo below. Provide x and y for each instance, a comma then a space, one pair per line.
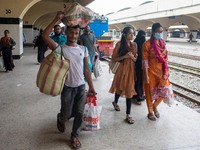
92, 56
73, 99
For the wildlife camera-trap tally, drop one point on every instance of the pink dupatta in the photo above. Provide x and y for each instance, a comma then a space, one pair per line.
161, 54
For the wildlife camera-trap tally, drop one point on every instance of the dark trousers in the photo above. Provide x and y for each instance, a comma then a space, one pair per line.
7, 57
41, 52
128, 103
139, 82
73, 97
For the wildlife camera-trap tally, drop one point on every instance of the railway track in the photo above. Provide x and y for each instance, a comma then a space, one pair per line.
184, 68
187, 56
187, 93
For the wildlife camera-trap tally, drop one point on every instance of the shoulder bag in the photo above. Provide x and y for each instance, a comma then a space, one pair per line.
52, 73
113, 66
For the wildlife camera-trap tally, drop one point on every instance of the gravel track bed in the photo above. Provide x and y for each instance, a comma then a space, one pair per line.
182, 78
187, 103
187, 80
187, 62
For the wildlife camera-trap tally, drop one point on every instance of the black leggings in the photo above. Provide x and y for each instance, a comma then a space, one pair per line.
128, 103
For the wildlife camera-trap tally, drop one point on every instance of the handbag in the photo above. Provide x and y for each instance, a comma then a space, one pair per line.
113, 66
13, 47
52, 73
169, 100
91, 114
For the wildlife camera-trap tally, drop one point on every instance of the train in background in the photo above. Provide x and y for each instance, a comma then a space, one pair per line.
99, 26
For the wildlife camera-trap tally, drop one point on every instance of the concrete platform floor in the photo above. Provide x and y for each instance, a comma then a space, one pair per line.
28, 118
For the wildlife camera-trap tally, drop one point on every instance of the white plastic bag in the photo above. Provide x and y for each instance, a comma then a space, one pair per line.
169, 100
97, 67
1, 63
91, 116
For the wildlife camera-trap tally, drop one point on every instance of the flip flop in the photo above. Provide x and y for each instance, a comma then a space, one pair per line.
156, 113
151, 117
76, 144
60, 125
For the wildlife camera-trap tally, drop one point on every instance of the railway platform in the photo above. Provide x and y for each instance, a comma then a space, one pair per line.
28, 118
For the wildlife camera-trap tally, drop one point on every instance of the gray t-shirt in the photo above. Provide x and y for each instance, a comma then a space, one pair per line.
88, 40
76, 57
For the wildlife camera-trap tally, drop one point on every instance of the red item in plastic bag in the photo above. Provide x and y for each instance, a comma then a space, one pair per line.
91, 99
75, 14
91, 115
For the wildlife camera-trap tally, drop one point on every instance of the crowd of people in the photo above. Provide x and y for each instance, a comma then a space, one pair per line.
143, 72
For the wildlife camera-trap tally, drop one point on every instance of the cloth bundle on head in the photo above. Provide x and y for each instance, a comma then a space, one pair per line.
75, 14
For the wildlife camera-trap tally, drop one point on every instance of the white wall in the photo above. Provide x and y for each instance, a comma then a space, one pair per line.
28, 32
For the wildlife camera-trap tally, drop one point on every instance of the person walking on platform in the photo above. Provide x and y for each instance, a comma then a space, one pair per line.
190, 37
123, 83
88, 39
140, 39
73, 93
6, 46
42, 47
58, 37
156, 71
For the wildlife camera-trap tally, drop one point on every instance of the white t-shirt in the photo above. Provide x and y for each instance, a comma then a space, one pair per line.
76, 56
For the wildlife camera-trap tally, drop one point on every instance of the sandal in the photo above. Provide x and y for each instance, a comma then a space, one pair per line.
156, 113
116, 106
60, 125
76, 143
151, 117
129, 120
138, 103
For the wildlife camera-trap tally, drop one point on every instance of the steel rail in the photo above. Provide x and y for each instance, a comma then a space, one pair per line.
192, 99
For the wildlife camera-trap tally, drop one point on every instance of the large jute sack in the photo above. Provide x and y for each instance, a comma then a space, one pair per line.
75, 14
52, 74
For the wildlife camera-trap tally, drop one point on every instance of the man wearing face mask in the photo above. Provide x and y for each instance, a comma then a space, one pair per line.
58, 37
140, 39
156, 71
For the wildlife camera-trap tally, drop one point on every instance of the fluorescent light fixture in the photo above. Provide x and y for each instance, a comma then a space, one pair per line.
62, 25
174, 27
149, 28
178, 26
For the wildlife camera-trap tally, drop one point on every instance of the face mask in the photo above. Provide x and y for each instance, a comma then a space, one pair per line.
158, 35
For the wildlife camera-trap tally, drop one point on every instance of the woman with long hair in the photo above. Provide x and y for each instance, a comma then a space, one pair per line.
6, 45
156, 71
123, 83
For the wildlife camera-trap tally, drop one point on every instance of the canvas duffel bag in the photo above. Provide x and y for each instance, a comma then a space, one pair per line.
52, 74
